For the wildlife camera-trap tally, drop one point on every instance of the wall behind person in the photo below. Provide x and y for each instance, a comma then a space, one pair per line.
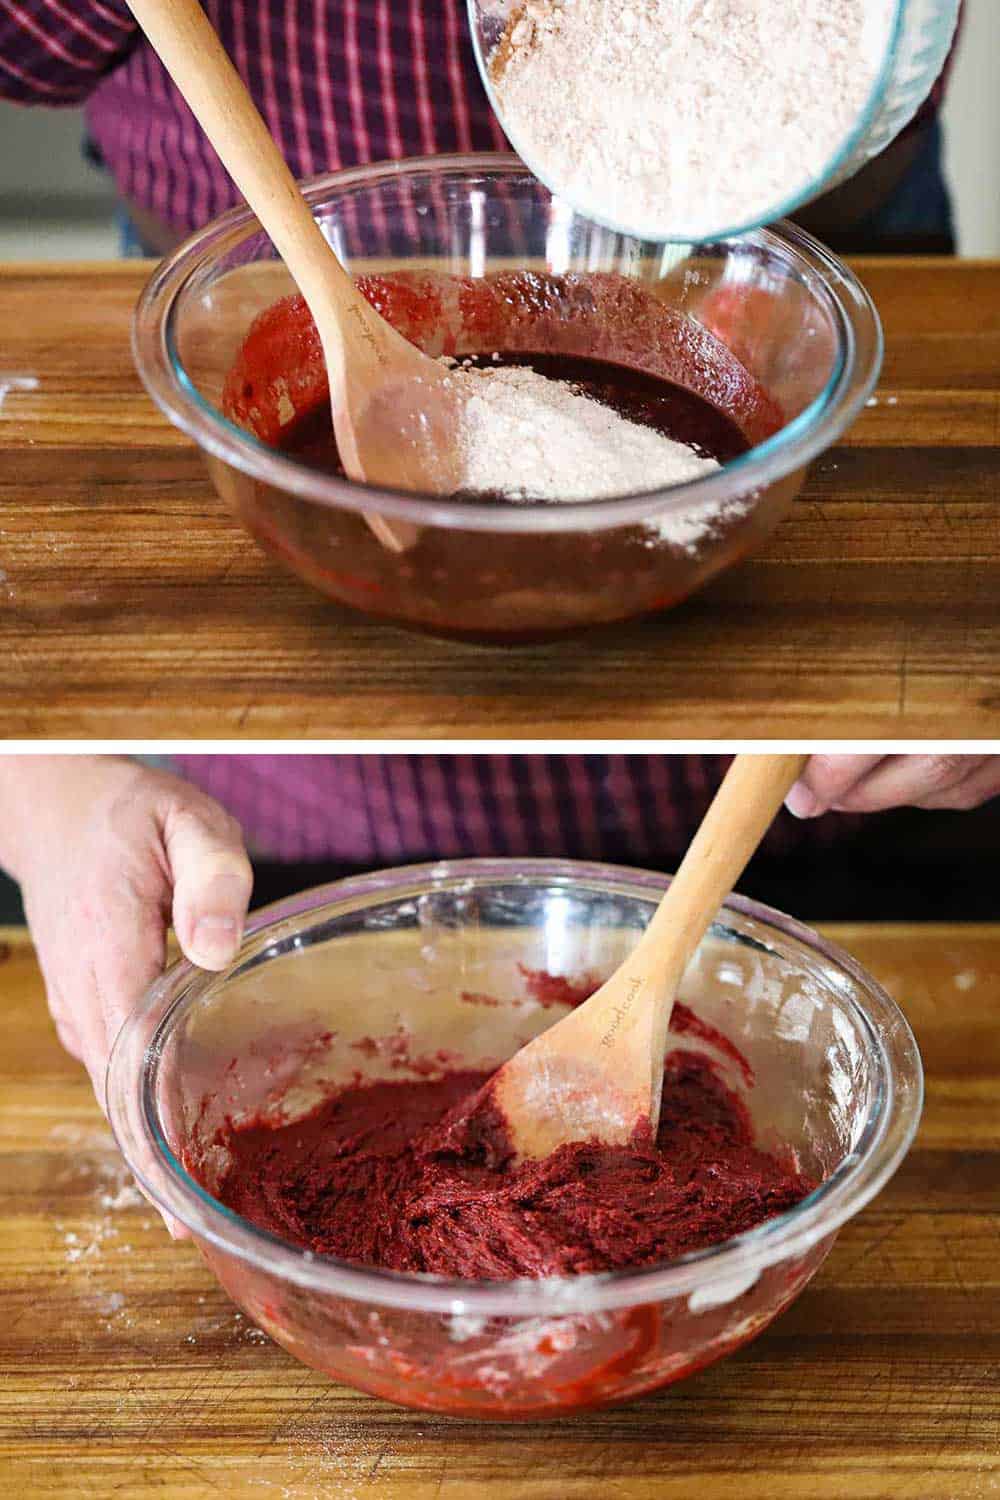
972, 130
53, 204
41, 158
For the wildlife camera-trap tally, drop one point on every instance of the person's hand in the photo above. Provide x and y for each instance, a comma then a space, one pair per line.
106, 853
873, 783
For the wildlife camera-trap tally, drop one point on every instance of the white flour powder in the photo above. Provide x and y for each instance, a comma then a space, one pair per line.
531, 438
527, 437
685, 116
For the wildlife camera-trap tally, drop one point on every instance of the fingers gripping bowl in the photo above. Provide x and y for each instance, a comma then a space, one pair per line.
770, 328
838, 1080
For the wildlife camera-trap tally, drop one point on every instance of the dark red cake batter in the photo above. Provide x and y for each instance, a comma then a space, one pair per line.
644, 399
619, 338
373, 1176
605, 334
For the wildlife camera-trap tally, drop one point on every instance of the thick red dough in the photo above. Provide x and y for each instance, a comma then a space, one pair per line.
369, 1177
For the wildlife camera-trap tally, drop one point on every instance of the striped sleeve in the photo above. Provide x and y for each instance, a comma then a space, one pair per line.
58, 51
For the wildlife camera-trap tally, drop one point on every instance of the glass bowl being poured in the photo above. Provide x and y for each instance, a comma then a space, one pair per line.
324, 977
472, 255
906, 47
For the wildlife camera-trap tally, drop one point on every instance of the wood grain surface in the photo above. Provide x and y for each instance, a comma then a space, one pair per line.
131, 604
125, 1370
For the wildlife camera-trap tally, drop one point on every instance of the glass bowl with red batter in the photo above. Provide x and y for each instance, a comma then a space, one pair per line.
757, 351
391, 985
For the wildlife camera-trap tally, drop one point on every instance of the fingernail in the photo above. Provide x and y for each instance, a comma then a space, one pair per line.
801, 802
214, 941
218, 926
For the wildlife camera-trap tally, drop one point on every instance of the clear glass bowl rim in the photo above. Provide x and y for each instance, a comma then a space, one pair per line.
884, 1140
816, 427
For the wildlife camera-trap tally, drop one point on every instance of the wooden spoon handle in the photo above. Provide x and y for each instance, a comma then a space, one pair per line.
350, 330
184, 40
741, 813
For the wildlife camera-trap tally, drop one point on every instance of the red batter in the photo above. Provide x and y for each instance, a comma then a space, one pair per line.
607, 333
615, 335
373, 1176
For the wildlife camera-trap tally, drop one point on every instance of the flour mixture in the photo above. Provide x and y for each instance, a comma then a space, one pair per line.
686, 117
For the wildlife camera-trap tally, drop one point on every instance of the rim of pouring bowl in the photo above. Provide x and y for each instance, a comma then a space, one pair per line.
919, 38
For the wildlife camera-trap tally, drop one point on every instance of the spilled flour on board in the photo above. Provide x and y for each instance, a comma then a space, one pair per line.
112, 1191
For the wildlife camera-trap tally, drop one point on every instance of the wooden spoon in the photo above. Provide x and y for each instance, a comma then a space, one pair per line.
598, 1073
394, 409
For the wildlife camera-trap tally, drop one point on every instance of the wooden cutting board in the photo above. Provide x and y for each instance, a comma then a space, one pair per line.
131, 604
124, 1369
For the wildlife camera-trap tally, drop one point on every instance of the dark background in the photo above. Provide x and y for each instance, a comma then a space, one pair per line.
898, 866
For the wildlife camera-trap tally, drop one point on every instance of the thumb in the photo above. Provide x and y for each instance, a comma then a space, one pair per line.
212, 880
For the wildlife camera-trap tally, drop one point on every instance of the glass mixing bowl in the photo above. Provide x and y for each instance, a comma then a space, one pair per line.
920, 35
771, 327
838, 1080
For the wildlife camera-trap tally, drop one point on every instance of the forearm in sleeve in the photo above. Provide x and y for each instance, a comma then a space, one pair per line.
57, 51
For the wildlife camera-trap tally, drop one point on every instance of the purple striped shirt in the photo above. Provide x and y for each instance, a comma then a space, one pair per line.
372, 810
339, 82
